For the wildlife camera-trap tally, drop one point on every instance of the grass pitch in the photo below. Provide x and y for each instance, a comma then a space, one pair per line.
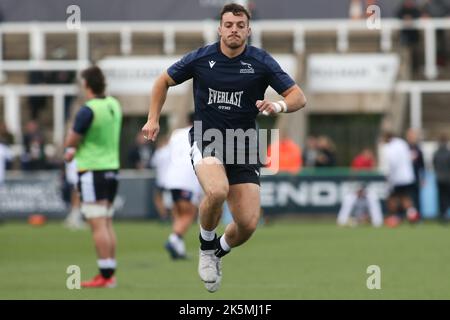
285, 260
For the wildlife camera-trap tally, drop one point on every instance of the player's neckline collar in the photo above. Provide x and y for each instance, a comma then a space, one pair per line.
224, 55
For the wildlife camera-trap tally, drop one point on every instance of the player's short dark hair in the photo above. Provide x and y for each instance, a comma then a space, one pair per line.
236, 9
95, 79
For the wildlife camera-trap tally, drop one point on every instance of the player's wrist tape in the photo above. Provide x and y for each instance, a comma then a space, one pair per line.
70, 149
280, 106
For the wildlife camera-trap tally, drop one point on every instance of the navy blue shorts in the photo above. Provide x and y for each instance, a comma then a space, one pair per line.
236, 173
178, 194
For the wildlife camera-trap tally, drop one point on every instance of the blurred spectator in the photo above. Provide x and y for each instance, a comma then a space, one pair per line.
397, 165
360, 207
37, 103
140, 153
33, 157
355, 10
409, 36
364, 160
438, 9
435, 9
290, 155
441, 163
251, 6
5, 136
310, 152
326, 154
418, 164
5, 157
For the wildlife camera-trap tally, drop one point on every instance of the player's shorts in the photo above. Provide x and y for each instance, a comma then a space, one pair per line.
98, 185
193, 197
160, 189
236, 173
178, 194
403, 191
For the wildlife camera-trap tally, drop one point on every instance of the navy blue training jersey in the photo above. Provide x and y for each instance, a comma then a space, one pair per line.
226, 89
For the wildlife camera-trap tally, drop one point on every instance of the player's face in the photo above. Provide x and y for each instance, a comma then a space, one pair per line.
234, 30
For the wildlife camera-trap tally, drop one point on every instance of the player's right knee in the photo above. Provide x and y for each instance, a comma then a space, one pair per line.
93, 210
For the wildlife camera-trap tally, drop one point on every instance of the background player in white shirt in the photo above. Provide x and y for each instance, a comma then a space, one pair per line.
5, 156
185, 189
396, 163
160, 162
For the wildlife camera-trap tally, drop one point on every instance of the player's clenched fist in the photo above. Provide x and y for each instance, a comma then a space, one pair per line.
264, 106
69, 154
267, 107
150, 130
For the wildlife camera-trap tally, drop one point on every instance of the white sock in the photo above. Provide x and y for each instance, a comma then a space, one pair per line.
112, 263
108, 263
177, 243
103, 263
225, 246
207, 235
173, 238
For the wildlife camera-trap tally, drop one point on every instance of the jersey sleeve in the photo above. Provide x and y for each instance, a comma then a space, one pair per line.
279, 80
83, 120
182, 70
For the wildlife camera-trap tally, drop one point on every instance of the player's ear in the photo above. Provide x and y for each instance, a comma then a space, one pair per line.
249, 31
219, 30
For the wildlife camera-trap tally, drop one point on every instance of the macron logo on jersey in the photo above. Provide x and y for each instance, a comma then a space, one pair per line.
233, 98
211, 63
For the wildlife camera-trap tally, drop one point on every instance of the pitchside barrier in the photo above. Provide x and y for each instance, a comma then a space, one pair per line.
313, 191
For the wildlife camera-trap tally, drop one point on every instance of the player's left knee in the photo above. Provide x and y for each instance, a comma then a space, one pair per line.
249, 226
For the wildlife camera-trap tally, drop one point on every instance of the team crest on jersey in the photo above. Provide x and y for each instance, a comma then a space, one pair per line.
248, 67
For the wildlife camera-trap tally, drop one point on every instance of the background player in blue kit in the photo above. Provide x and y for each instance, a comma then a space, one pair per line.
230, 79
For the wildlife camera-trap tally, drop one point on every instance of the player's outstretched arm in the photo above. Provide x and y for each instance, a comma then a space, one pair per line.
158, 97
294, 100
